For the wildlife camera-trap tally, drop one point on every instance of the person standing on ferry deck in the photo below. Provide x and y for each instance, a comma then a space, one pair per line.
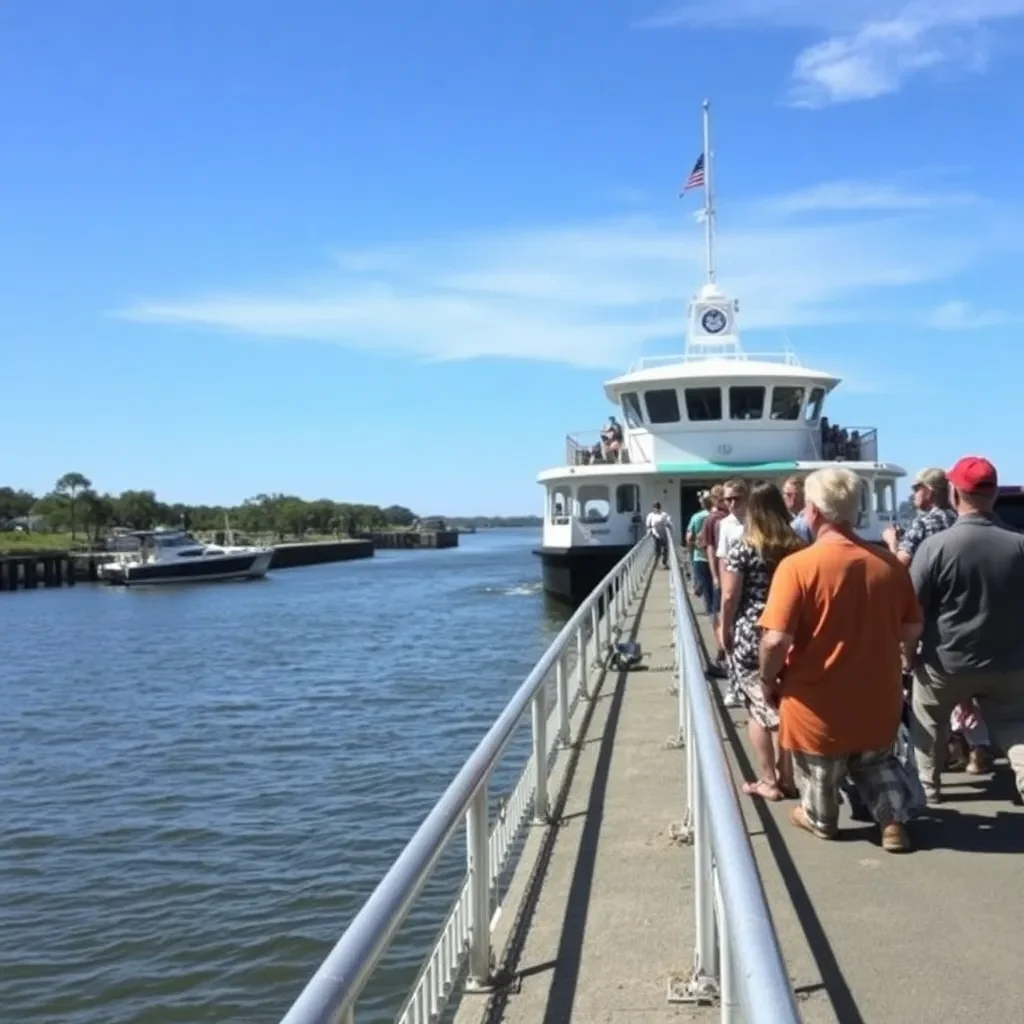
659, 525
838, 616
698, 556
730, 533
969, 580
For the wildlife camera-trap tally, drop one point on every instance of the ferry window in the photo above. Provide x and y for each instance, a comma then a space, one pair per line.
746, 403
662, 406
786, 402
593, 502
704, 404
627, 498
813, 410
631, 409
560, 499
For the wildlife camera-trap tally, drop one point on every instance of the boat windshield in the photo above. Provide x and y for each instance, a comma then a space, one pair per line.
174, 540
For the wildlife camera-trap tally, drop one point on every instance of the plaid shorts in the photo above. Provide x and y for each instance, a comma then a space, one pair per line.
877, 774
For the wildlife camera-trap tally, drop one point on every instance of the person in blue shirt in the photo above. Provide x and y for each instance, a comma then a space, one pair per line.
698, 556
793, 495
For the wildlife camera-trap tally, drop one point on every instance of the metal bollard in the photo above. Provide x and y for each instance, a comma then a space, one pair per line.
479, 892
562, 691
539, 711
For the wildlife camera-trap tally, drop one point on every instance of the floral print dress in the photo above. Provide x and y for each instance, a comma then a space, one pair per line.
746, 561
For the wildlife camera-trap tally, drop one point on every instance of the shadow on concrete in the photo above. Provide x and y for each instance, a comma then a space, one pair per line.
833, 981
570, 947
948, 828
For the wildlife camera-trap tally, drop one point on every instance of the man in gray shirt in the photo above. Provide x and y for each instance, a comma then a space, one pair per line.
969, 581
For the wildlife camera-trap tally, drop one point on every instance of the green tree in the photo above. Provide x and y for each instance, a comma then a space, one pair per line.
55, 510
15, 503
70, 486
399, 515
97, 512
138, 510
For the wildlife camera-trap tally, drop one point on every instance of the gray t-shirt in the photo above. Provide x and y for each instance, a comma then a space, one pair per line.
969, 581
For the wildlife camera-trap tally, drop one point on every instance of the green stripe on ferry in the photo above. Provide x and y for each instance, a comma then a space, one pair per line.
704, 468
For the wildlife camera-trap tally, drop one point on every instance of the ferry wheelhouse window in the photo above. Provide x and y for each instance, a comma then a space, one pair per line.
631, 409
703, 404
627, 498
662, 405
786, 402
560, 498
746, 402
813, 411
594, 506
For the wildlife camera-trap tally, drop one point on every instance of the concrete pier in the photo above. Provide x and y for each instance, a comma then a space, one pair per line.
287, 556
27, 570
599, 912
416, 539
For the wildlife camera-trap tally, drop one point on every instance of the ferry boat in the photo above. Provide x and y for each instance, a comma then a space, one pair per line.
175, 556
690, 421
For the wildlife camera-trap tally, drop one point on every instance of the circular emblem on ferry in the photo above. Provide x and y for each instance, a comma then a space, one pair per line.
713, 321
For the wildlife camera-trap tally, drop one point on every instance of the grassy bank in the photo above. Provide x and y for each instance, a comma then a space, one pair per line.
13, 543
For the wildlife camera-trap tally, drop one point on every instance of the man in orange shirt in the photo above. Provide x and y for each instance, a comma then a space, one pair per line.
838, 615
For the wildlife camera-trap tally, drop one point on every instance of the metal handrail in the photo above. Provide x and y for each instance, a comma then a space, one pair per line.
737, 957
330, 995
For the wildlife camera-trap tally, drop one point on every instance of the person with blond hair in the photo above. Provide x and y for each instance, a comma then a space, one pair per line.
768, 538
840, 619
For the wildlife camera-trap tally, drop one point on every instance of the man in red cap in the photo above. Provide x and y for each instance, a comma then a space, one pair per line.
969, 580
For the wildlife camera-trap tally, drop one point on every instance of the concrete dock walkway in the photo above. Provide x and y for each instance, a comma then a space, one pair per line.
599, 913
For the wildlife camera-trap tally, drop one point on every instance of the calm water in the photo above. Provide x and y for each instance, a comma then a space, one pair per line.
201, 785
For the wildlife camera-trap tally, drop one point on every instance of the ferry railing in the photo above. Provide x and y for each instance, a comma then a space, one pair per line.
581, 446
737, 958
464, 943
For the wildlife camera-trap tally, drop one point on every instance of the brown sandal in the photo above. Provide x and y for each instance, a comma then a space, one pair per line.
764, 789
798, 816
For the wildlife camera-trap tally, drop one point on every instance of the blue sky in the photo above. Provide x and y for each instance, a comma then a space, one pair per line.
389, 251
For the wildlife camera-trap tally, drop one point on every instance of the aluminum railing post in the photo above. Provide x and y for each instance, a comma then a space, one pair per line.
595, 632
581, 661
731, 1011
349, 1016
562, 692
703, 886
622, 597
479, 892
539, 714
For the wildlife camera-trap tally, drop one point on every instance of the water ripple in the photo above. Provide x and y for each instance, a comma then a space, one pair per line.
202, 785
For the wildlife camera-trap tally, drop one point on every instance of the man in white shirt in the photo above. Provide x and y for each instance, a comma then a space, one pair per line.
658, 525
730, 532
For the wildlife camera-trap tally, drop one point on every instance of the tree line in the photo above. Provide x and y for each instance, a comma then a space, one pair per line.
74, 506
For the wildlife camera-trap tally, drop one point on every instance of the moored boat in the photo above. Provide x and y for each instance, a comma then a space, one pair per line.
175, 556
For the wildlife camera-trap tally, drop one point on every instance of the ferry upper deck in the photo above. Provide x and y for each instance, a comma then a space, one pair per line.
622, 876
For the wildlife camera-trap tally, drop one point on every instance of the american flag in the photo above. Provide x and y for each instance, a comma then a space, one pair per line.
696, 178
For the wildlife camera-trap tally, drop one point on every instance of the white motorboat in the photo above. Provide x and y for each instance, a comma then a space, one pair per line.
175, 556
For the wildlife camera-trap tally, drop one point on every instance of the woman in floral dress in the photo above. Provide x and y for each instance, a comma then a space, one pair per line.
747, 574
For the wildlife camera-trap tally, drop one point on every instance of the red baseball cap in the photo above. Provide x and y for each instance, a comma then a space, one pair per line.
972, 473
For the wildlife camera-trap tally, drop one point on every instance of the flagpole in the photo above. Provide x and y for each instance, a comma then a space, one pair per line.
709, 207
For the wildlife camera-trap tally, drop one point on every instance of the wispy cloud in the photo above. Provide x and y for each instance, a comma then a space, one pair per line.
958, 315
861, 197
595, 294
870, 47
